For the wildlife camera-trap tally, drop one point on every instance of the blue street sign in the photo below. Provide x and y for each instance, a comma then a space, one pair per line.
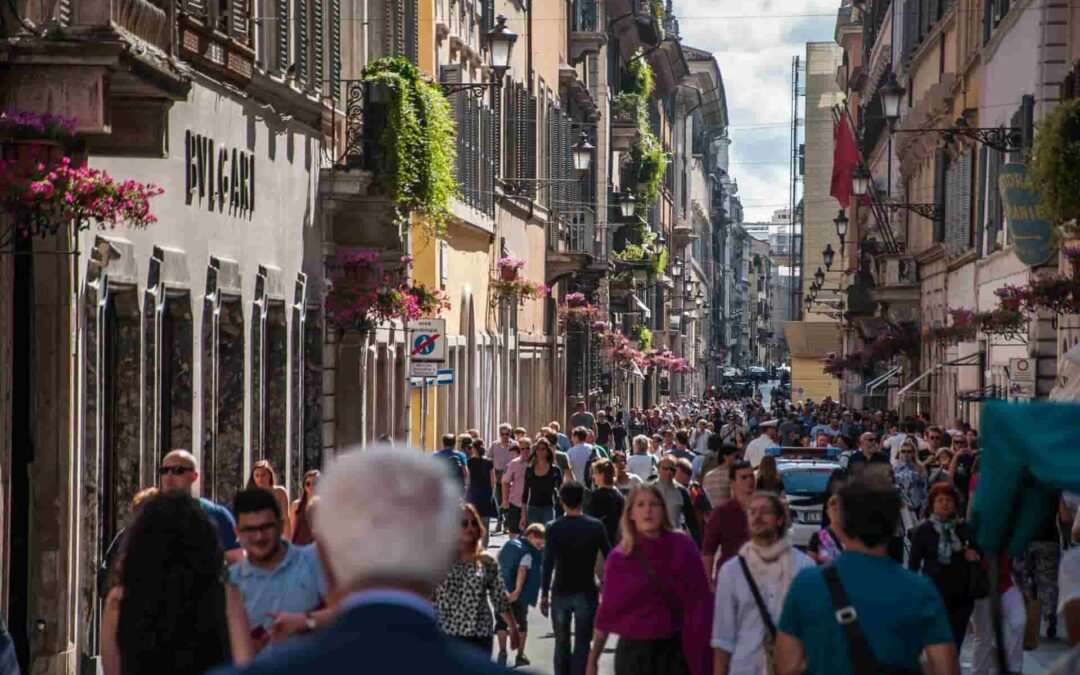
445, 376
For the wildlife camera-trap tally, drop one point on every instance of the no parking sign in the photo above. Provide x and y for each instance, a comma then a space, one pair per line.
428, 340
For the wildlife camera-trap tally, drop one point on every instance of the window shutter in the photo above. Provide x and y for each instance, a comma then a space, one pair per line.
993, 224
452, 75
335, 48
64, 12
487, 166
240, 20
940, 168
530, 146
963, 225
980, 204
301, 60
924, 18
283, 34
318, 32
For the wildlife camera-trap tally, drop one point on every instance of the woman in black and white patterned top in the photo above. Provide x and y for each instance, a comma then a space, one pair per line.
464, 600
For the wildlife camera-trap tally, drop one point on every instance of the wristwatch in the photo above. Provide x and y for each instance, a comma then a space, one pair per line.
309, 622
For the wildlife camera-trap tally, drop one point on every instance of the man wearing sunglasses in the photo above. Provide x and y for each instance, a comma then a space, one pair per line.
178, 473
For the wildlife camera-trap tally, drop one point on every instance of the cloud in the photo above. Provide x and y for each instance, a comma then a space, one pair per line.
755, 55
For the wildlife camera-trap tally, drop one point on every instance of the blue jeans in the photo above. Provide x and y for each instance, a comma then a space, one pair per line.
581, 607
539, 514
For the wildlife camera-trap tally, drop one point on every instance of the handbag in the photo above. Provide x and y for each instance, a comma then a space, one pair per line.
769, 643
669, 598
978, 585
863, 661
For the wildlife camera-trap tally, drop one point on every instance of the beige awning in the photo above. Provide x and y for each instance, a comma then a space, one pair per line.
809, 339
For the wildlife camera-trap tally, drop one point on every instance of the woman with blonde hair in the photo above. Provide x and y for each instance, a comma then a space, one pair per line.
656, 597
462, 599
263, 476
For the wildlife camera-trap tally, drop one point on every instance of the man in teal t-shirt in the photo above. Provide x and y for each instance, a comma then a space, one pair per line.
900, 613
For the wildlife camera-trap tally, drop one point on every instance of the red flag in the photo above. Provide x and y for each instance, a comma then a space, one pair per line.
845, 159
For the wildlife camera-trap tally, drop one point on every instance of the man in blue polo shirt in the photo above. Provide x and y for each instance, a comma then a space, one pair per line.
178, 473
455, 459
900, 614
282, 584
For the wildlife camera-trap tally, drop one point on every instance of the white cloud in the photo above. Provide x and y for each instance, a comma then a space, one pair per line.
755, 54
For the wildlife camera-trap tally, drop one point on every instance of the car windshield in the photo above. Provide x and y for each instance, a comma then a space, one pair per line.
806, 481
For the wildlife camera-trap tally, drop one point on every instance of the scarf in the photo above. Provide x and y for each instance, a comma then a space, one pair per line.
948, 541
771, 564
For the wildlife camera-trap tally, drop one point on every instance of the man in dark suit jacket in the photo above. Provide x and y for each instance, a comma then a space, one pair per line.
387, 527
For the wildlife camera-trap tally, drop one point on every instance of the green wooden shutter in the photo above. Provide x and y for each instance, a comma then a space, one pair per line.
941, 164
318, 31
283, 35
301, 60
530, 145
335, 49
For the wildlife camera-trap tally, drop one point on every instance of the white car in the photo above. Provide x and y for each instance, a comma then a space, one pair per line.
806, 485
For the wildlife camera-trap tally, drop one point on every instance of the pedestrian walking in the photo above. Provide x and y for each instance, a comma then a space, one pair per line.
264, 477
581, 454
725, 531
453, 460
541, 486
717, 480
473, 587
520, 562
624, 479
300, 511
583, 418
281, 583
500, 457
844, 618
641, 463
656, 596
178, 473
760, 446
172, 611
606, 503
387, 529
910, 478
824, 546
481, 493
574, 543
768, 476
677, 499
942, 548
106, 574
513, 487
750, 590
684, 476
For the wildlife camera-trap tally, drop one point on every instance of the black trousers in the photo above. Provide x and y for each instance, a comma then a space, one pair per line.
484, 643
959, 610
651, 657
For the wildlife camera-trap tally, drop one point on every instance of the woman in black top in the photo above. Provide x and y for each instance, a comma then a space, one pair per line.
481, 479
606, 502
542, 482
941, 548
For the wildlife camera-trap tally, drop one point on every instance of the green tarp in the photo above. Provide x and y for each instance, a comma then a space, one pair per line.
1030, 453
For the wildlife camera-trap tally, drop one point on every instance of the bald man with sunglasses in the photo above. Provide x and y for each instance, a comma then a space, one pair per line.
178, 472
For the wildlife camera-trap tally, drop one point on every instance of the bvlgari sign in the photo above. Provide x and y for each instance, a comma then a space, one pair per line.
218, 178
1030, 234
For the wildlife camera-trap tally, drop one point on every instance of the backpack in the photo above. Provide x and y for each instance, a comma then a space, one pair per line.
510, 556
453, 463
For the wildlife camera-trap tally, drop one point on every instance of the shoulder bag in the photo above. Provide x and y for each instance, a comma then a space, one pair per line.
863, 661
769, 643
669, 597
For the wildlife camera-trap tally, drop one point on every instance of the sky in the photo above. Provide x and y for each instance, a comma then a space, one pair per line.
754, 54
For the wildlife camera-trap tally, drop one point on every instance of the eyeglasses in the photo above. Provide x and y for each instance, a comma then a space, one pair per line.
309, 483
174, 470
265, 528
469, 522
667, 468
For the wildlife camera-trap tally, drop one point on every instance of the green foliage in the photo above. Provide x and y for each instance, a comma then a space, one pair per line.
631, 106
649, 161
1055, 166
639, 76
632, 253
643, 335
659, 262
418, 143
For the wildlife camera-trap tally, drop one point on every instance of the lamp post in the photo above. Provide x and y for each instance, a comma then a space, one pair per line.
841, 221
860, 182
828, 255
500, 41
819, 277
891, 94
677, 267
627, 204
583, 152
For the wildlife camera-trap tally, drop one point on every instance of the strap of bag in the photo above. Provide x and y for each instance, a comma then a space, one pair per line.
765, 616
669, 598
862, 656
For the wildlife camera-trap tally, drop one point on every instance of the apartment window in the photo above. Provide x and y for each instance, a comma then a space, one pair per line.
519, 123
231, 17
957, 225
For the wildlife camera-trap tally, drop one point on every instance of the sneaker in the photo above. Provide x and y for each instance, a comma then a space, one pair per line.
501, 660
520, 660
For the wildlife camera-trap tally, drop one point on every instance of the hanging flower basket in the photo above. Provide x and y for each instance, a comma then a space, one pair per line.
1011, 297
1057, 293
518, 290
1002, 322
365, 291
509, 268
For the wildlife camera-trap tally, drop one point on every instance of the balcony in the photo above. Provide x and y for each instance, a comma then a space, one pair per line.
896, 286
586, 33
576, 247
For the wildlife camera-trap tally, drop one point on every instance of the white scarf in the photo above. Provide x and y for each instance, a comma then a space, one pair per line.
771, 564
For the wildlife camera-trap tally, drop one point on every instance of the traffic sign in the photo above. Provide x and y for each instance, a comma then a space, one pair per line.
428, 342
1022, 369
423, 369
445, 376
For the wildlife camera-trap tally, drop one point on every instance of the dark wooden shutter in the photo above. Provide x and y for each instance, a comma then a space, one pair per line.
412, 31
963, 225
487, 160
993, 220
924, 19
240, 20
318, 32
980, 203
335, 49
530, 144
283, 34
301, 59
941, 164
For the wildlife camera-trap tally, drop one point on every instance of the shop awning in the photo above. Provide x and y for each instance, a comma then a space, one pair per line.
880, 380
641, 306
808, 339
969, 360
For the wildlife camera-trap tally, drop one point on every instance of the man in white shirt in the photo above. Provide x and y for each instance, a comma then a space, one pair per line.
700, 438
641, 463
580, 454
759, 447
893, 444
769, 561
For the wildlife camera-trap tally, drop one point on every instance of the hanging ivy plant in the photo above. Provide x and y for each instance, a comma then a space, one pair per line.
659, 262
648, 162
417, 143
639, 79
1055, 166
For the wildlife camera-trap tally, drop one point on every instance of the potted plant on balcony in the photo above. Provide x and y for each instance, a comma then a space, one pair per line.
1057, 293
30, 138
365, 291
1010, 297
577, 309
510, 268
643, 335
1055, 166
1003, 322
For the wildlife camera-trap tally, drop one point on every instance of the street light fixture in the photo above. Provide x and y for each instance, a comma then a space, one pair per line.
583, 152
891, 94
819, 277
828, 255
841, 221
860, 182
627, 204
677, 267
500, 40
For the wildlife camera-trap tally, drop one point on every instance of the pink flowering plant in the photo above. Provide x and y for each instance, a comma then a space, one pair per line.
600, 326
510, 262
580, 313
25, 125
516, 289
366, 291
43, 197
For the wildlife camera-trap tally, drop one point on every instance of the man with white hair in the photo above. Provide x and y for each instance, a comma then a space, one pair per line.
387, 532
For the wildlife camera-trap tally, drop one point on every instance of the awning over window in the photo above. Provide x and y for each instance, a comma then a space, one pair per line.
646, 312
969, 360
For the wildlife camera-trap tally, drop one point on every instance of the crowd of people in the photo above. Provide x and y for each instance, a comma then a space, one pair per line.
668, 527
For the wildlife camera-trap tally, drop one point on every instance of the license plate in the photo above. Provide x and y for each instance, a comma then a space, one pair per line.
811, 516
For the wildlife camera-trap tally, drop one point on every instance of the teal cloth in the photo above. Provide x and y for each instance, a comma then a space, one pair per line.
1028, 455
898, 631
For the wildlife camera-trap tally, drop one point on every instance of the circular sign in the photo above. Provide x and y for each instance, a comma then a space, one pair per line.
1023, 365
423, 344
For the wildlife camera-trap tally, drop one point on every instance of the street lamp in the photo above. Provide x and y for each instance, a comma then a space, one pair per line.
583, 152
500, 40
841, 221
627, 203
891, 94
819, 277
860, 182
677, 267
828, 255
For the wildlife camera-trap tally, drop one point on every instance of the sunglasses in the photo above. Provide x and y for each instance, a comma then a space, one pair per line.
174, 470
466, 523
258, 529
309, 484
